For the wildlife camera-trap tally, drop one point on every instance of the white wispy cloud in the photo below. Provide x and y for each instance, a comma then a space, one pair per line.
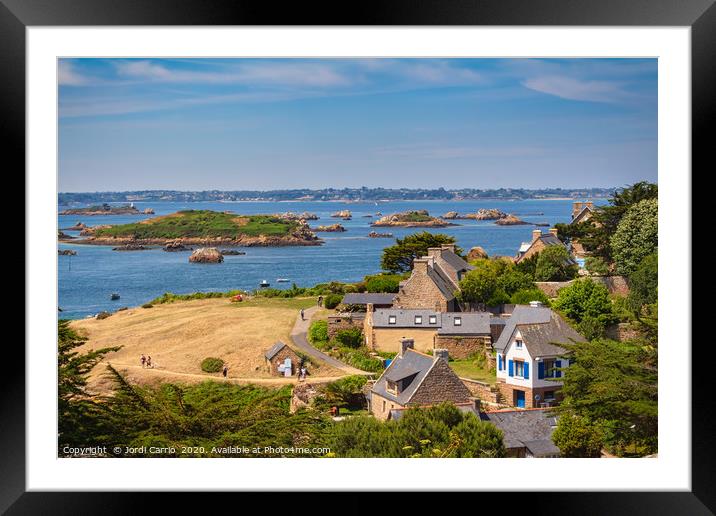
68, 76
576, 89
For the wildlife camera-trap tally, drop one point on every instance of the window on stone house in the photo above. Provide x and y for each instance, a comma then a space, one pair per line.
518, 344
418, 319
391, 319
549, 369
433, 319
383, 405
519, 368
457, 321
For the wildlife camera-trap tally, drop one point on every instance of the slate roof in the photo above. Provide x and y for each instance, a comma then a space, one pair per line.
446, 286
547, 239
274, 349
411, 361
405, 318
540, 328
531, 429
473, 323
582, 212
365, 298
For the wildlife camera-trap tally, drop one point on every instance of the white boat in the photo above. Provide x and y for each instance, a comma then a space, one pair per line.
282, 280
264, 284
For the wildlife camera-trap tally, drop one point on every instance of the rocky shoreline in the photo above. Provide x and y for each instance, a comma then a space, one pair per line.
106, 209
260, 241
411, 219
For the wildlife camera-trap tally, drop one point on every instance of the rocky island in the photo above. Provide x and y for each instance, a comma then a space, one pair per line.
481, 214
106, 209
342, 214
205, 228
374, 234
412, 219
333, 228
510, 220
206, 255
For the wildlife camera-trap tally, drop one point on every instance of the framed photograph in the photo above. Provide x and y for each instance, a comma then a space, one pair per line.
406, 251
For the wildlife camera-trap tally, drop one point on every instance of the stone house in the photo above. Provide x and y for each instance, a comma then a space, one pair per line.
345, 321
414, 379
540, 241
582, 211
363, 299
529, 357
433, 282
461, 333
525, 433
278, 357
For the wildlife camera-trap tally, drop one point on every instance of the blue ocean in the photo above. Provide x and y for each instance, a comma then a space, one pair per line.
87, 280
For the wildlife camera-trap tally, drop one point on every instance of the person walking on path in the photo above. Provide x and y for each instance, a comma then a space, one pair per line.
143, 360
225, 371
320, 300
302, 317
149, 361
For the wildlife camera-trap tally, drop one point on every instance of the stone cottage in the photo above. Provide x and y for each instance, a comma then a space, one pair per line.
414, 379
280, 356
434, 281
540, 241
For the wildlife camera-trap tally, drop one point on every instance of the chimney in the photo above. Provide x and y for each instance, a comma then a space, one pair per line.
405, 344
435, 251
420, 265
536, 233
553, 231
440, 353
448, 247
576, 208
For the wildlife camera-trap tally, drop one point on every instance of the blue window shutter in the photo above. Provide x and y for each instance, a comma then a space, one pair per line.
526, 371
558, 364
499, 362
511, 368
540, 370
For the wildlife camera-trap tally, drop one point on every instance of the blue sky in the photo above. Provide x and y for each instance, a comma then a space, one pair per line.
236, 124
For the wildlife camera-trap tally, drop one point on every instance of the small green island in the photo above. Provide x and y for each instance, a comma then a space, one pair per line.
412, 219
204, 227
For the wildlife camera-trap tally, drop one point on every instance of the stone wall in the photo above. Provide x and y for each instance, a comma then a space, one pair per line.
486, 392
278, 358
441, 384
462, 347
344, 321
380, 407
622, 332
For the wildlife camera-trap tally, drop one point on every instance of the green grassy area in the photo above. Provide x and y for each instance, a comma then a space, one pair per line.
414, 216
295, 303
200, 224
472, 369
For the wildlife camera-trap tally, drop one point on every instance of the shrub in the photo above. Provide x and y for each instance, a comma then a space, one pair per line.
382, 283
212, 365
554, 264
318, 332
332, 300
523, 297
349, 338
596, 266
592, 328
585, 298
577, 437
147, 305
102, 315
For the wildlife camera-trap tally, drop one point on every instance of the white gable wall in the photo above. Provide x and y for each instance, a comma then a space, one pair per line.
512, 352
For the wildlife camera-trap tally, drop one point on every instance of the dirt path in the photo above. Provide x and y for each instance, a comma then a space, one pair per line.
147, 372
298, 335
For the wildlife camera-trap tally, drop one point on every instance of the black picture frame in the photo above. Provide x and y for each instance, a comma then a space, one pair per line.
700, 15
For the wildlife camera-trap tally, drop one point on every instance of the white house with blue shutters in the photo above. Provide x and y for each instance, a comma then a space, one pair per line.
530, 360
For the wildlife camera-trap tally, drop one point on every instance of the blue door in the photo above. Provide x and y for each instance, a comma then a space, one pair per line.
520, 399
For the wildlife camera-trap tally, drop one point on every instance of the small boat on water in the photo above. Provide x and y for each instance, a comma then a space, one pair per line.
282, 280
264, 284
114, 296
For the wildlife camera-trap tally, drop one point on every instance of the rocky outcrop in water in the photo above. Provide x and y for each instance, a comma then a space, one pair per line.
333, 228
231, 252
64, 236
104, 209
289, 215
66, 252
451, 215
148, 211
488, 214
77, 227
176, 246
510, 220
206, 255
342, 214
129, 247
375, 234
412, 219
90, 230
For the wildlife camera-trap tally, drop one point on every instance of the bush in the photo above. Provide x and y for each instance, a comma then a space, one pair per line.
318, 332
382, 283
554, 264
349, 338
332, 300
212, 365
147, 305
636, 237
576, 436
592, 328
102, 315
596, 266
523, 297
585, 298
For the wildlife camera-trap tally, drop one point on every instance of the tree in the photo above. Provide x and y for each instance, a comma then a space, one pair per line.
555, 264
636, 236
349, 338
644, 284
524, 297
596, 266
77, 411
583, 299
382, 283
439, 431
399, 257
613, 385
478, 285
576, 436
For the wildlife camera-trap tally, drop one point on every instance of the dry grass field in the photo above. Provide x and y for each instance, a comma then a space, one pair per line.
179, 335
